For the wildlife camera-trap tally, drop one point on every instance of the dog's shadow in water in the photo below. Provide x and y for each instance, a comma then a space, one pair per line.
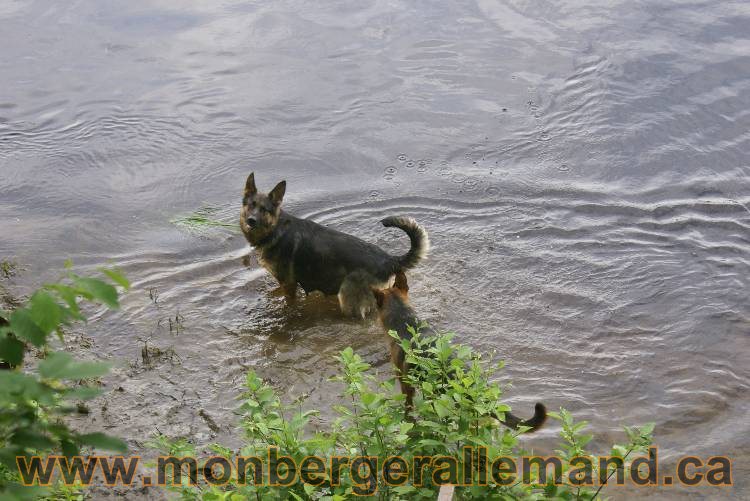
283, 321
307, 325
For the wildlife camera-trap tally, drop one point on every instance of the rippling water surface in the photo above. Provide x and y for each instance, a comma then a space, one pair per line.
582, 168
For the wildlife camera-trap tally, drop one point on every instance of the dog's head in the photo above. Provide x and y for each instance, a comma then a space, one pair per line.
399, 292
260, 211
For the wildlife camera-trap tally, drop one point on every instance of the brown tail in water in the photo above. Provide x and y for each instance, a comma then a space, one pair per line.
536, 422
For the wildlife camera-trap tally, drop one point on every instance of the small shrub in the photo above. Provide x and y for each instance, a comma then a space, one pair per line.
33, 402
455, 409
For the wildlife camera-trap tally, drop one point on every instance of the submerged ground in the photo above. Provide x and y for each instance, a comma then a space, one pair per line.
582, 169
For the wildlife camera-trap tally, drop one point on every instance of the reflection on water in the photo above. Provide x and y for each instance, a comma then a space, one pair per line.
581, 169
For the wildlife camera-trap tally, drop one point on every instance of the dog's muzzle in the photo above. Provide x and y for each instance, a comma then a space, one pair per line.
251, 222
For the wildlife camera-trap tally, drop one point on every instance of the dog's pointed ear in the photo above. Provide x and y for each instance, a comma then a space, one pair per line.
250, 188
277, 193
401, 283
379, 296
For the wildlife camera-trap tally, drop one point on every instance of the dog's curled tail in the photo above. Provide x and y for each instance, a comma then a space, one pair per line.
420, 242
536, 422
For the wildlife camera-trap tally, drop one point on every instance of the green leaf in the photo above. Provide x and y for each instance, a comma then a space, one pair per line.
579, 426
441, 409
102, 441
98, 290
431, 442
116, 276
618, 451
45, 311
23, 326
647, 429
69, 449
69, 295
30, 439
368, 398
585, 439
11, 350
13, 383
60, 365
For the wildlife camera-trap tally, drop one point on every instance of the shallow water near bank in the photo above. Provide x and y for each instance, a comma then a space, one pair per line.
582, 170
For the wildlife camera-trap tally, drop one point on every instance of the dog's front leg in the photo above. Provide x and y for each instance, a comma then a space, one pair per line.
285, 277
289, 291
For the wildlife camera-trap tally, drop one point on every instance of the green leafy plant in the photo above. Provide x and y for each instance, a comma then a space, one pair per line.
36, 393
456, 408
205, 220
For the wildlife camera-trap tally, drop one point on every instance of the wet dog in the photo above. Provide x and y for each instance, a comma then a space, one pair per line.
396, 314
300, 251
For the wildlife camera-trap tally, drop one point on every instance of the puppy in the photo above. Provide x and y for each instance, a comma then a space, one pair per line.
300, 251
396, 314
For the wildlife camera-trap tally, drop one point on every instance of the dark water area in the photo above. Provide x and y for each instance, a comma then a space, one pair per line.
581, 167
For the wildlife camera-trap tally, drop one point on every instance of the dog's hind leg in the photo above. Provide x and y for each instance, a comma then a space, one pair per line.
355, 296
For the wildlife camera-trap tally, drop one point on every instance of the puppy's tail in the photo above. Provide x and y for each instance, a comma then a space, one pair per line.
536, 422
420, 242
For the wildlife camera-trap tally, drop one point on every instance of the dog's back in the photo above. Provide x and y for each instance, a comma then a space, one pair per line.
320, 258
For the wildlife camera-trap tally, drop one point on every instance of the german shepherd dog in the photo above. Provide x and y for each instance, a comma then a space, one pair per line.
300, 251
396, 314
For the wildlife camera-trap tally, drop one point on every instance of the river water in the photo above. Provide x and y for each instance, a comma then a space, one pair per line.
581, 167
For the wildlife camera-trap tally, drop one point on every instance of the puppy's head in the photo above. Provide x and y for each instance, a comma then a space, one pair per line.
260, 211
398, 294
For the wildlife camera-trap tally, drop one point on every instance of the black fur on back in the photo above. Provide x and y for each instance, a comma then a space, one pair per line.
319, 258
